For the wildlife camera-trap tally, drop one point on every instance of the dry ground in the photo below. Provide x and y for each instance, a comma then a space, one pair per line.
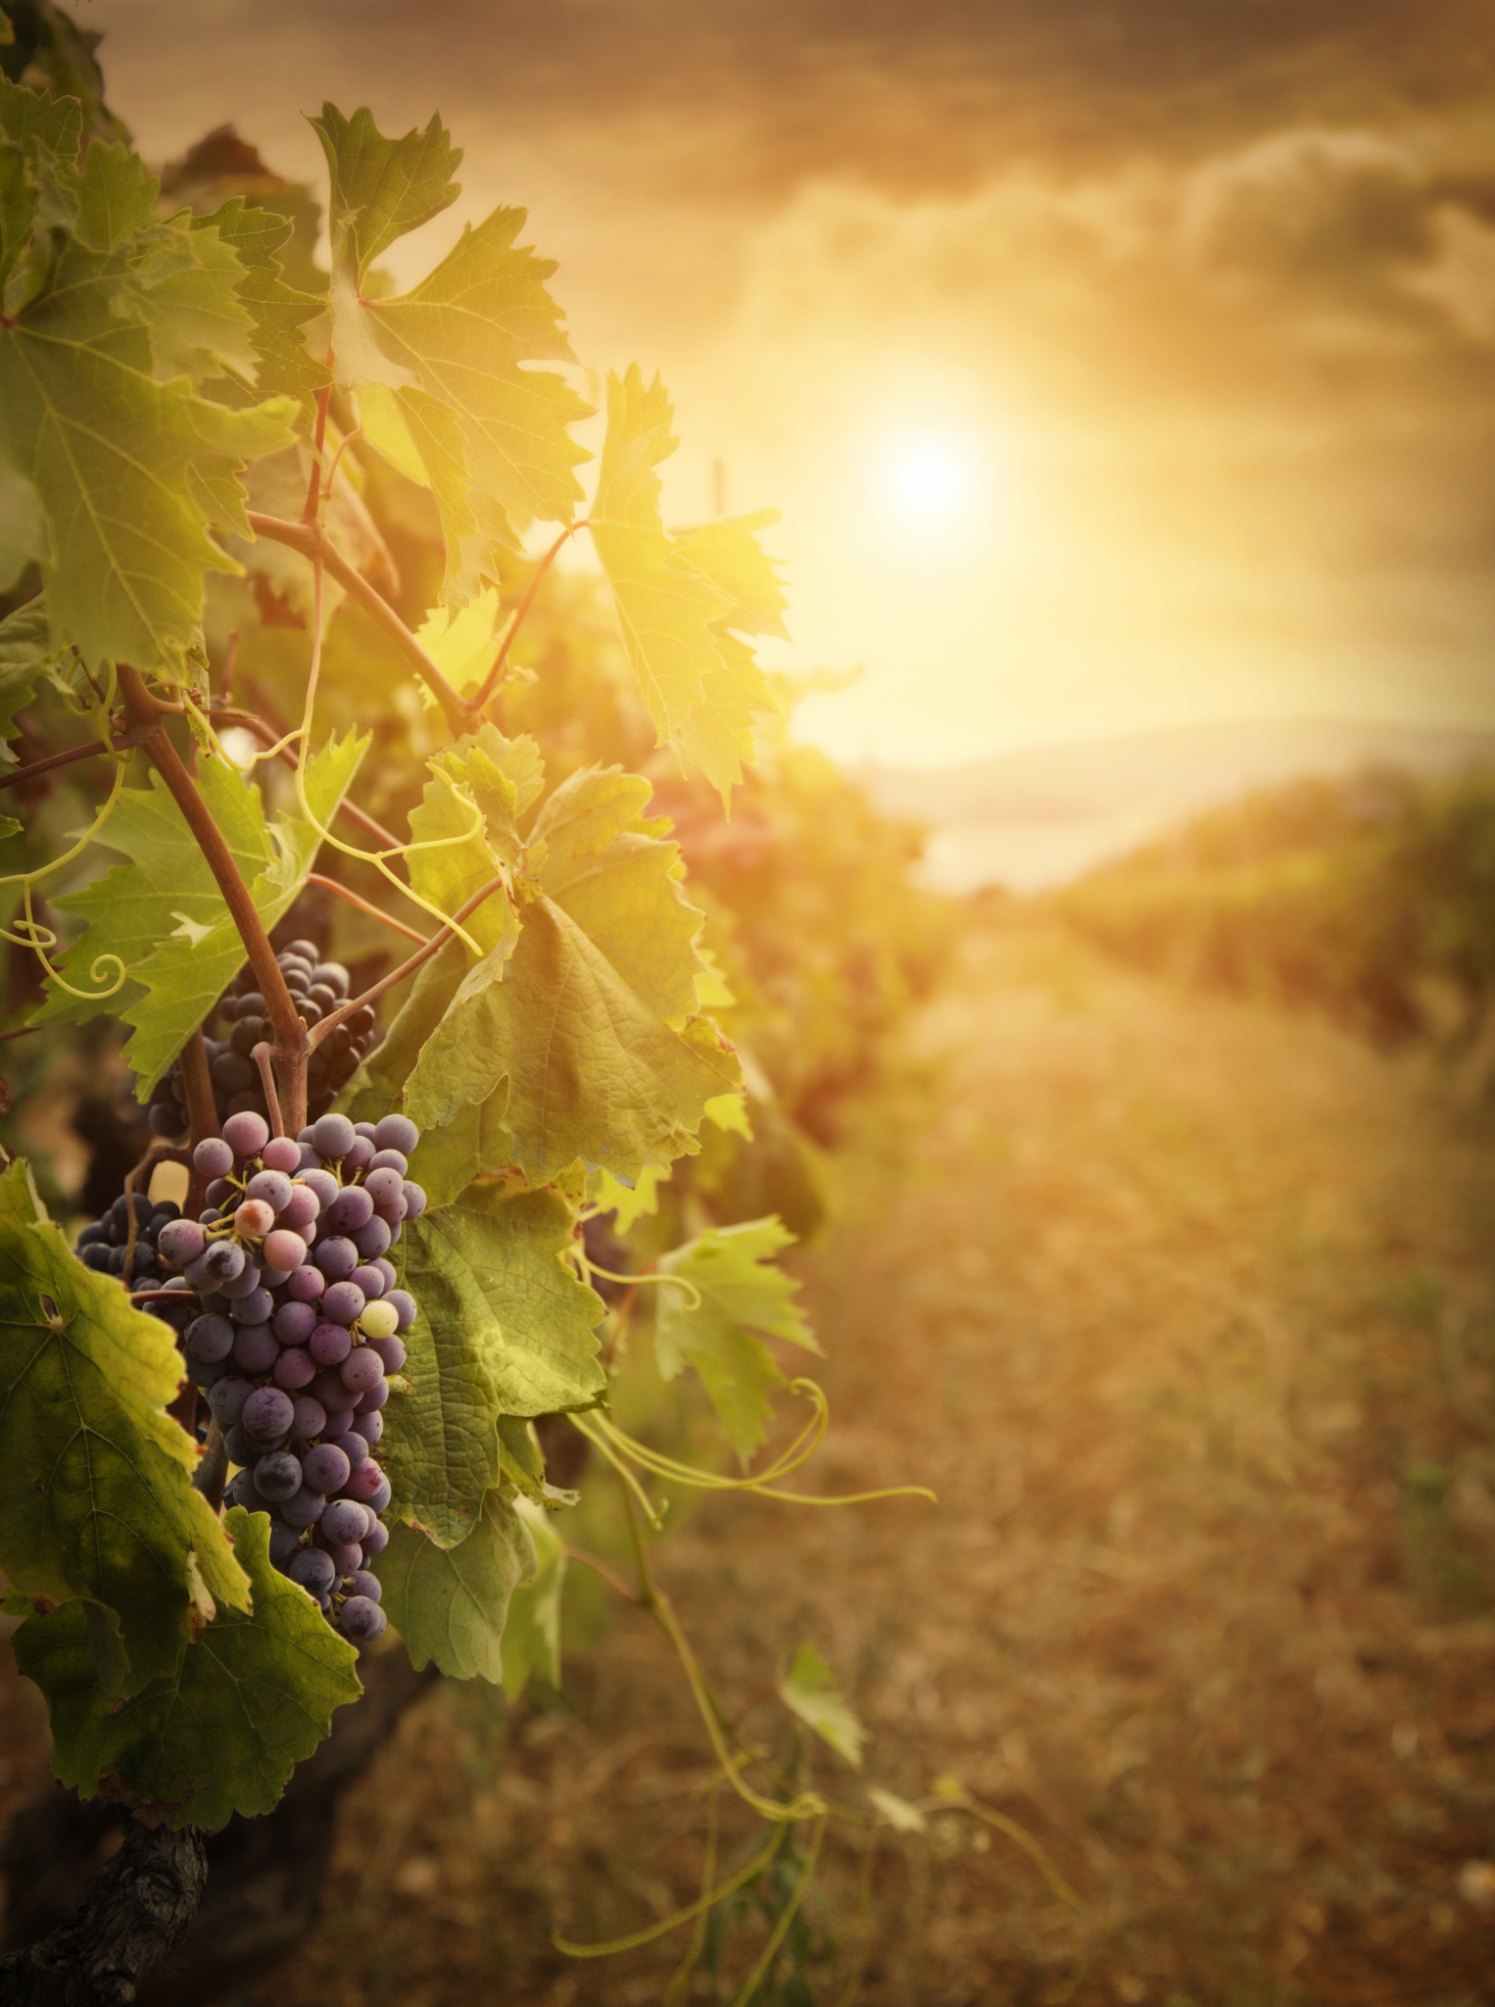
1186, 1310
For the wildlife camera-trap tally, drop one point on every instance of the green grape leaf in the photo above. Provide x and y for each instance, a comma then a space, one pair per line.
505, 1328
587, 1028
809, 1690
162, 915
119, 475
532, 1635
221, 1733
26, 656
490, 433
279, 312
678, 598
449, 1603
741, 1293
98, 1500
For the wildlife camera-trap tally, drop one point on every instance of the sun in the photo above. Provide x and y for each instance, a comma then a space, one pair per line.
926, 479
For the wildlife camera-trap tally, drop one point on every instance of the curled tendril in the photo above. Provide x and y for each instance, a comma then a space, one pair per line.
28, 932
378, 858
591, 1268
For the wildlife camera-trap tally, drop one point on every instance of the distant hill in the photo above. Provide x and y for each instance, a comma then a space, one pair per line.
1040, 816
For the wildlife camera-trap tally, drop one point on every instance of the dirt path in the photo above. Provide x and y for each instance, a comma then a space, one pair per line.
1186, 1311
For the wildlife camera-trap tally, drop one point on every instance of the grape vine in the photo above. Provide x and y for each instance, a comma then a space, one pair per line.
308, 1385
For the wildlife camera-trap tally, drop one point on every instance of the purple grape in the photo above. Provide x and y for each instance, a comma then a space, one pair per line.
370, 1403
379, 1503
330, 1344
274, 1187
369, 1279
388, 1270
255, 1308
277, 1476
281, 1154
248, 1278
373, 1239
306, 1284
364, 1129
285, 1250
226, 1399
342, 1303
217, 1193
255, 1352
181, 1241
337, 1258
376, 1539
267, 1415
304, 1509
360, 1156
391, 1351
246, 1133
330, 1391
293, 1370
332, 1135
405, 1303
238, 1445
389, 1160
345, 1521
314, 1570
322, 1184
284, 1543
274, 1278
294, 1323
365, 1584
370, 1427
326, 1468
415, 1200
396, 1132
212, 1158
364, 1482
352, 1208
309, 1418
383, 1188
361, 1621
346, 1555
210, 1339
353, 1447
301, 1210
362, 1370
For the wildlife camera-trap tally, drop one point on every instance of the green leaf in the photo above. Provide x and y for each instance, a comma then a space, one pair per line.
120, 475
897, 1812
222, 1732
162, 915
809, 1690
532, 1636
741, 1293
490, 433
449, 1604
279, 312
506, 1328
96, 1499
585, 1033
26, 656
678, 597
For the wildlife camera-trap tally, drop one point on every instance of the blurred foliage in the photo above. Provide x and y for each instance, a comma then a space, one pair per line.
1371, 898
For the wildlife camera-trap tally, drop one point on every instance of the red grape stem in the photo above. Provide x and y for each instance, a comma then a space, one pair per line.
261, 1058
290, 1033
408, 967
365, 906
490, 682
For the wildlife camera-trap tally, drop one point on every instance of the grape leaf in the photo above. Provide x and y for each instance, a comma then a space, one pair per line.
809, 1690
449, 1603
223, 1731
119, 475
98, 1500
506, 1328
679, 597
532, 1635
587, 1029
279, 311
741, 1293
162, 914
26, 655
490, 433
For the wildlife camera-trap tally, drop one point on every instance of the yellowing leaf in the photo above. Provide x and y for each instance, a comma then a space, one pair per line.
449, 1604
679, 597
98, 1499
809, 1690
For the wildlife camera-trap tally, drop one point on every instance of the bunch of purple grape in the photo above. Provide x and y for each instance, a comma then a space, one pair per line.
105, 1246
318, 988
298, 1328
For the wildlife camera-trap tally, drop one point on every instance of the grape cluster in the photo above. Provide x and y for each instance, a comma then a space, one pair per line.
317, 987
105, 1246
297, 1329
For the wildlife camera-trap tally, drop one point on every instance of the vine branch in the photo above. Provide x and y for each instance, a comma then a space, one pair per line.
408, 967
490, 682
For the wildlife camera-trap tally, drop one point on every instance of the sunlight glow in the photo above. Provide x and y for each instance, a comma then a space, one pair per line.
926, 479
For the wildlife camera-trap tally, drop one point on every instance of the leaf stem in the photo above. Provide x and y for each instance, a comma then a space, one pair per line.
261, 1057
290, 1032
312, 543
490, 682
14, 776
609, 1575
408, 967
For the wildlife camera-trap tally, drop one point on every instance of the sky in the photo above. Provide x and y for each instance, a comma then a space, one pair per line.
1113, 366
